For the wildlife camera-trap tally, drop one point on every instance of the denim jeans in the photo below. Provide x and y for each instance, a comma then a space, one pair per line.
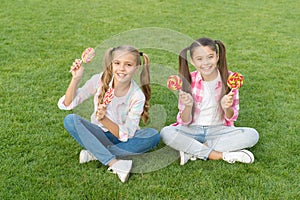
104, 145
201, 140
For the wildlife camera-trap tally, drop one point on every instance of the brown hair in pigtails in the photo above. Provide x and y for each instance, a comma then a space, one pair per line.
145, 85
222, 64
107, 74
184, 71
219, 48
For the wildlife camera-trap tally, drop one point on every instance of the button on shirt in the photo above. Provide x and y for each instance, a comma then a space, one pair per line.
198, 92
124, 111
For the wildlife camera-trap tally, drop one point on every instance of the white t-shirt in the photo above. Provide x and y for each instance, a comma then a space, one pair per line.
210, 114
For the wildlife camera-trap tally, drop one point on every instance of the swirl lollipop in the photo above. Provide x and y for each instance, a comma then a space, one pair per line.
174, 82
235, 81
86, 56
108, 96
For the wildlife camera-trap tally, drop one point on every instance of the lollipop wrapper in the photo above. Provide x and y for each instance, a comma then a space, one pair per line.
174, 82
235, 81
108, 96
87, 55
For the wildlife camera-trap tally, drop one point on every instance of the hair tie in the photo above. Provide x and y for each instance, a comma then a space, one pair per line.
141, 53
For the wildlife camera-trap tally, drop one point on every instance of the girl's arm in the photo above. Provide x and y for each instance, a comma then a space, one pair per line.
187, 100
128, 114
186, 114
230, 105
228, 112
111, 126
74, 96
77, 73
71, 91
105, 121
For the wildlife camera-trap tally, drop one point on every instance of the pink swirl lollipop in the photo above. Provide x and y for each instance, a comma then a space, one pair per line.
235, 81
87, 55
108, 96
174, 82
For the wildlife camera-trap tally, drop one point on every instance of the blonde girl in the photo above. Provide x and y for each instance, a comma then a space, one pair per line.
114, 130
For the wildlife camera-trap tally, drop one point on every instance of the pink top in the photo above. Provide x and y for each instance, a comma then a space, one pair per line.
197, 93
124, 111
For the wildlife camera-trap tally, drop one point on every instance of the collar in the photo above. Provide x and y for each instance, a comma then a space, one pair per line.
199, 79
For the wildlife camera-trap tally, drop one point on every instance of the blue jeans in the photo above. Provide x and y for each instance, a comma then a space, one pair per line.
201, 140
104, 145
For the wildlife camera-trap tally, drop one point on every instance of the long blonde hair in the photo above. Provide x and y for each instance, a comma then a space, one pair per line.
144, 76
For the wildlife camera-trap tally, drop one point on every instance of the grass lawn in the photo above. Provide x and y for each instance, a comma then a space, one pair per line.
40, 40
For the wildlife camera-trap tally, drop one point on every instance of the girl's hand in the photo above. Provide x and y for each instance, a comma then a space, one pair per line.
77, 69
186, 98
100, 114
227, 100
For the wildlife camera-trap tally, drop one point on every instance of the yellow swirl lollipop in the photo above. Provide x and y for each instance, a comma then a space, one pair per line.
235, 81
174, 82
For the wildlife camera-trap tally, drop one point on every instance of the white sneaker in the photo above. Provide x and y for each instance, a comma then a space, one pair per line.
243, 156
185, 157
122, 169
86, 156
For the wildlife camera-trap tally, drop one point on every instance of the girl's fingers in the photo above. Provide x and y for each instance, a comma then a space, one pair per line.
230, 94
76, 64
101, 107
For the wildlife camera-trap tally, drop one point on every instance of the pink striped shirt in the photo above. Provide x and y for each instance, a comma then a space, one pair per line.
197, 93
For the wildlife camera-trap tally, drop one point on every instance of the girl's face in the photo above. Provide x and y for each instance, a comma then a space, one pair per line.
124, 66
205, 61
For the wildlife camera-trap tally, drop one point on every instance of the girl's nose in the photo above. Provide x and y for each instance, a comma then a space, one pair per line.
205, 62
121, 67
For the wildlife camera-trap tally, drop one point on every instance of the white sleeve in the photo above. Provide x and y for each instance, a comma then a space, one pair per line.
88, 89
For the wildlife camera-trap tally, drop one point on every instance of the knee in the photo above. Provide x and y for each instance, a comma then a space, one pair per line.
254, 136
149, 134
69, 120
167, 134
155, 135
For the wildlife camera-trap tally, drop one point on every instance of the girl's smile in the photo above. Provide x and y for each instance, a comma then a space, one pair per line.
124, 66
205, 61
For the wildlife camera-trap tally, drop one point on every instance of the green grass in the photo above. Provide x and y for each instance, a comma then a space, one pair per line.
40, 39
